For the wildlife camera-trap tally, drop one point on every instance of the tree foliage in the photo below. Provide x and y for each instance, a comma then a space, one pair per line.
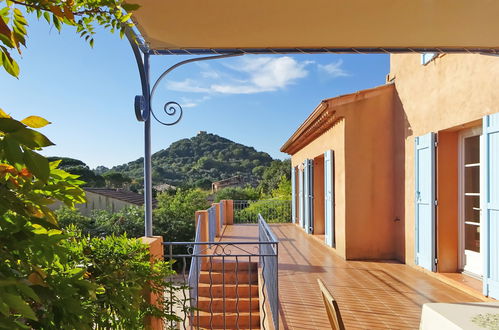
83, 15
115, 179
51, 279
246, 193
173, 217
75, 166
273, 175
33, 266
121, 268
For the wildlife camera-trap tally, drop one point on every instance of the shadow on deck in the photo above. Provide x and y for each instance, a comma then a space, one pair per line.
370, 294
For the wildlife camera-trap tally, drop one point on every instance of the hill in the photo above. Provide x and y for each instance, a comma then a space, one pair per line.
200, 160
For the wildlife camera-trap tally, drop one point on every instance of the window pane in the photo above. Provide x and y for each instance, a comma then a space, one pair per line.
472, 179
471, 208
472, 150
472, 237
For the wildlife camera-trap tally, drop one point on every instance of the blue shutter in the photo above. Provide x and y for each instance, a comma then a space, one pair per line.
490, 205
301, 196
306, 204
309, 192
329, 196
425, 201
293, 194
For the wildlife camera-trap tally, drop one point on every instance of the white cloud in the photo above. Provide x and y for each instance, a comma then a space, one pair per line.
259, 74
236, 89
191, 103
187, 85
334, 69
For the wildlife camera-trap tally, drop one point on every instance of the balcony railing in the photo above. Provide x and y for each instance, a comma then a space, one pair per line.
212, 223
272, 210
270, 269
225, 281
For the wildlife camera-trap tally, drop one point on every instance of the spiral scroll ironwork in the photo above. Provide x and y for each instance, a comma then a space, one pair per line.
172, 109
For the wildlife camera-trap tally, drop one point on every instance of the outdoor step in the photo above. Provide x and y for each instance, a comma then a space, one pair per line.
230, 321
231, 305
217, 290
241, 278
230, 265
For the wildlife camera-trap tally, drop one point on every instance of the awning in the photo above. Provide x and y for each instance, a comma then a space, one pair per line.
311, 26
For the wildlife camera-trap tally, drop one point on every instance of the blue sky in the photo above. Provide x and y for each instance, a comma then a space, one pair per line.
88, 94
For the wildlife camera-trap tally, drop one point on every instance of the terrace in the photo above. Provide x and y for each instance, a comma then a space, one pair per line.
370, 294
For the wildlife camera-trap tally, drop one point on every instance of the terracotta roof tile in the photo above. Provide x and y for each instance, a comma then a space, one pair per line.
122, 195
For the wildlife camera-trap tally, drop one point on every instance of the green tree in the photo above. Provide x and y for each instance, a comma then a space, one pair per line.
283, 190
247, 193
272, 175
174, 216
75, 166
116, 180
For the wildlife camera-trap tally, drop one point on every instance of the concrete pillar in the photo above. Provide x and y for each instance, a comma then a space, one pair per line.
217, 218
156, 252
229, 209
204, 234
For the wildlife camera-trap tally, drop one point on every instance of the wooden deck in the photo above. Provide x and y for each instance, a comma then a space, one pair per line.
370, 294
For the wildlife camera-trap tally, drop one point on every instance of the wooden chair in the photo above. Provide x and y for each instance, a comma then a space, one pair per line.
333, 311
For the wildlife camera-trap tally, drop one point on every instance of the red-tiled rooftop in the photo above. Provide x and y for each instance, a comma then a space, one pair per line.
120, 194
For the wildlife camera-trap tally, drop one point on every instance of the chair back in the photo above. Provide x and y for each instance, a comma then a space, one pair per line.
332, 309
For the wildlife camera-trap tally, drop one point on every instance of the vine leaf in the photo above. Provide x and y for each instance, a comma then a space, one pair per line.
37, 164
35, 122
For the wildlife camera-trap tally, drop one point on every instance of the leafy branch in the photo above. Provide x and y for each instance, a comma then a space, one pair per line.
84, 15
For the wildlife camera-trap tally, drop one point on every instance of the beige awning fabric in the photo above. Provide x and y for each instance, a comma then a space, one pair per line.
199, 26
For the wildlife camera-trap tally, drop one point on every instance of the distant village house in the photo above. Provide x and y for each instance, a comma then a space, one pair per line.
235, 181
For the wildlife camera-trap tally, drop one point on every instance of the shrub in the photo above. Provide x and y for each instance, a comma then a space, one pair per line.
174, 217
247, 193
274, 210
50, 279
120, 268
67, 217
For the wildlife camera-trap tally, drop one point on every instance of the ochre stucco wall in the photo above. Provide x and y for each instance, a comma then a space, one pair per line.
369, 177
364, 163
449, 92
332, 139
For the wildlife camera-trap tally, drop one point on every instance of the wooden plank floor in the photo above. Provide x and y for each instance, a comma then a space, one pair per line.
370, 294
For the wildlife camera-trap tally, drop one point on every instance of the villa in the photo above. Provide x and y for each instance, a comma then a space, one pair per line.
405, 171
393, 206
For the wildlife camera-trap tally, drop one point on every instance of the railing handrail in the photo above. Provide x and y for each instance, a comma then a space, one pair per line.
272, 210
263, 200
197, 237
193, 278
212, 226
271, 272
221, 243
266, 227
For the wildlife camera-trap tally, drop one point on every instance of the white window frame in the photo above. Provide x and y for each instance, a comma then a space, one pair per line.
473, 131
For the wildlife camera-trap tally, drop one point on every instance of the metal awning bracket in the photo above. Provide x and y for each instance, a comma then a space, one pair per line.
144, 111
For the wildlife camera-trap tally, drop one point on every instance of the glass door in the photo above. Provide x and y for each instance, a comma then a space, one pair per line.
471, 259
